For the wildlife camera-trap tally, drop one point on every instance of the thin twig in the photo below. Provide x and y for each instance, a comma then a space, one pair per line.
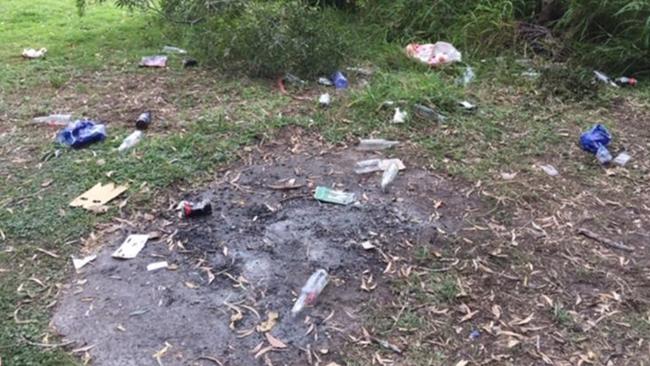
47, 345
605, 241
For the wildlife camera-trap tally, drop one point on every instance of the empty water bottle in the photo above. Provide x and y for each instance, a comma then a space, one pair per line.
389, 176
54, 119
310, 291
375, 144
130, 141
603, 155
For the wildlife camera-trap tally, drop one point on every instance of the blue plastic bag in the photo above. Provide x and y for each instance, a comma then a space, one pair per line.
339, 80
596, 137
81, 133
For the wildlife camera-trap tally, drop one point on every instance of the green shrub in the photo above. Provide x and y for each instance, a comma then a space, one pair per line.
610, 34
271, 38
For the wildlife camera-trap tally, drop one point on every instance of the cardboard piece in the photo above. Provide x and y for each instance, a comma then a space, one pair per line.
78, 263
131, 246
98, 195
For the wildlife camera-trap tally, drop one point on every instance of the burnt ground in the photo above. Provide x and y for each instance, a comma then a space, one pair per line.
252, 256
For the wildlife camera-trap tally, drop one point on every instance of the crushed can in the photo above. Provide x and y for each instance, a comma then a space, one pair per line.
143, 121
203, 208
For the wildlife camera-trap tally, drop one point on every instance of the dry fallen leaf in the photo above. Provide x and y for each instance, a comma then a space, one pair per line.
508, 176
462, 363
522, 321
266, 326
274, 342
191, 285
263, 351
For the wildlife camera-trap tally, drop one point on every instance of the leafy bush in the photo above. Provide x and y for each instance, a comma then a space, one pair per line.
609, 34
274, 37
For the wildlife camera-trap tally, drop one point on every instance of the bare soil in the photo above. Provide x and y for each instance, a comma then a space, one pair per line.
252, 256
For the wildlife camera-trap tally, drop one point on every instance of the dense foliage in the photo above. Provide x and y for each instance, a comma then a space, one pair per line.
309, 36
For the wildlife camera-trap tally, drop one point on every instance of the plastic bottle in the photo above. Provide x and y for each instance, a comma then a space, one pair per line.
425, 112
375, 144
603, 155
130, 141
339, 80
625, 81
172, 49
310, 291
143, 121
367, 166
389, 176
54, 119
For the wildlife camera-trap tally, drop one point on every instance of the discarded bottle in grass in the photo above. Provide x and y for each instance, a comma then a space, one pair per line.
339, 80
293, 79
202, 208
130, 141
324, 100
603, 155
325, 81
425, 112
143, 121
310, 291
375, 144
468, 76
625, 81
54, 119
389, 176
172, 49
81, 133
374, 165
602, 77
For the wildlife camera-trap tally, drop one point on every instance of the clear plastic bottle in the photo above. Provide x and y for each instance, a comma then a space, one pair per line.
130, 141
375, 144
54, 119
389, 176
625, 81
603, 155
310, 291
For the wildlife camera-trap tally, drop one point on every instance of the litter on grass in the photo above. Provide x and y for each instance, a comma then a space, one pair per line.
375, 144
325, 194
375, 165
79, 263
468, 76
324, 100
54, 119
130, 141
131, 246
595, 141
310, 291
467, 105
550, 170
81, 133
622, 159
325, 81
172, 49
439, 53
153, 61
98, 195
389, 176
32, 53
399, 116
156, 266
427, 113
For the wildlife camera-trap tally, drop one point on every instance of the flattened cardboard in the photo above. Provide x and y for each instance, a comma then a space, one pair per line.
98, 195
131, 246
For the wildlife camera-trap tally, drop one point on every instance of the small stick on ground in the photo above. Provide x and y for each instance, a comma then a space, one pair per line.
46, 345
608, 242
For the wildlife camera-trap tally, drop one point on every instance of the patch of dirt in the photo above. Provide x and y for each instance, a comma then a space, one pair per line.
252, 256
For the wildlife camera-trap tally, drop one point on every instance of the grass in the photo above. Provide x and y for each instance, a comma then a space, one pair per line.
516, 126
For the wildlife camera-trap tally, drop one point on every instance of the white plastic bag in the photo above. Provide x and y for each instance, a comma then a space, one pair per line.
439, 53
